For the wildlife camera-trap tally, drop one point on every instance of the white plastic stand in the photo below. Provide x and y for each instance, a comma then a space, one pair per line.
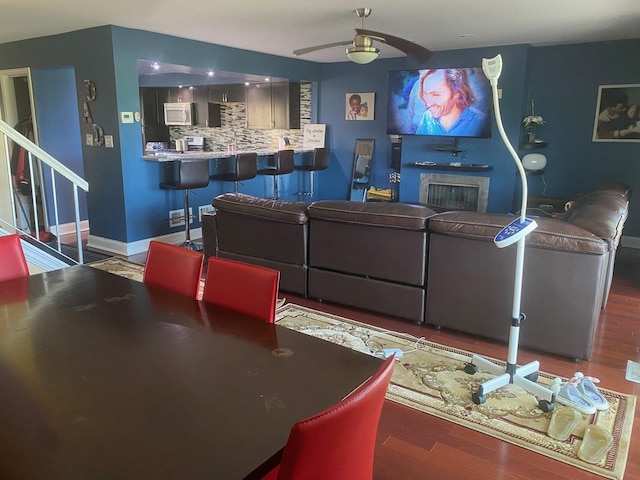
516, 232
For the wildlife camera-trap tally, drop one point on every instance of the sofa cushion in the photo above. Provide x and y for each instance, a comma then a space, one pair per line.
278, 210
620, 188
392, 215
602, 212
551, 233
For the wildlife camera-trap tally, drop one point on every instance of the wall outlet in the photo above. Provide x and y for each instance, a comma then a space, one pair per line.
203, 209
108, 141
88, 138
176, 217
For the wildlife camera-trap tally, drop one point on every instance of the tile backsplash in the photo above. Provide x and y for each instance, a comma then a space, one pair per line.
234, 119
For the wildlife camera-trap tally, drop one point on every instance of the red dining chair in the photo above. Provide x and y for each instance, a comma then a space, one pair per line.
242, 287
173, 268
12, 261
338, 443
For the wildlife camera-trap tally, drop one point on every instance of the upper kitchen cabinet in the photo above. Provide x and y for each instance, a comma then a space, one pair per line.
152, 106
208, 114
180, 95
152, 101
226, 93
273, 106
259, 106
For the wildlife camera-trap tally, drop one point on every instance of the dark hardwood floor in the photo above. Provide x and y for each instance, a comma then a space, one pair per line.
413, 445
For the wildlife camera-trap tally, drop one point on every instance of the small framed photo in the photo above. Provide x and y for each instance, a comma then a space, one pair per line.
360, 106
617, 114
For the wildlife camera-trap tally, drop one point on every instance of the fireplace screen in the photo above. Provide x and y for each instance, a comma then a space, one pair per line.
454, 192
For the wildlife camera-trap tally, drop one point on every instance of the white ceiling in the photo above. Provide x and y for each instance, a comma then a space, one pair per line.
280, 26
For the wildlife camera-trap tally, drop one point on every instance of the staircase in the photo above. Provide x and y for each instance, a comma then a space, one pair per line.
44, 256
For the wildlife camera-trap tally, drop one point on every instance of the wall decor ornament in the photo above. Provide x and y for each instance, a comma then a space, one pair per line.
360, 106
617, 117
531, 123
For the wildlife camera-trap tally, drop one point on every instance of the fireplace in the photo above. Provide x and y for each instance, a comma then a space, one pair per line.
454, 192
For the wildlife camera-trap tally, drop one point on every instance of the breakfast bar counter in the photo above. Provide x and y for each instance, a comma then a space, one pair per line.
174, 156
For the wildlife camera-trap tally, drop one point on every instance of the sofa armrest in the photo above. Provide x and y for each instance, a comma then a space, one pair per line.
209, 234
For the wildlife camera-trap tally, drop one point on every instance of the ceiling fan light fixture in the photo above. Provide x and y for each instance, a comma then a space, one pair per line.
362, 55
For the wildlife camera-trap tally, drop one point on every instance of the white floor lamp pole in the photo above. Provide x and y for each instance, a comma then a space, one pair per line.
516, 232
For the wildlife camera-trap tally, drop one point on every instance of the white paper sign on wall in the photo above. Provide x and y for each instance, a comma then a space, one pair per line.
313, 136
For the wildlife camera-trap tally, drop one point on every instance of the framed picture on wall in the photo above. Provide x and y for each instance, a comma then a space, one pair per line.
617, 114
360, 106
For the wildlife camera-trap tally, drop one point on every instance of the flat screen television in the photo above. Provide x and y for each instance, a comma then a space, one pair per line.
452, 102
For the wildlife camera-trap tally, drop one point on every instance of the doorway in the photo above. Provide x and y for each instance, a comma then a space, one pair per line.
20, 206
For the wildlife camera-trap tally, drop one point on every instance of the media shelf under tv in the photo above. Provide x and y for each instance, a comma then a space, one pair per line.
453, 166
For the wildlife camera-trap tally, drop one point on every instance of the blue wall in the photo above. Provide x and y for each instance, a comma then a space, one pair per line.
90, 54
564, 83
340, 78
56, 106
147, 205
125, 203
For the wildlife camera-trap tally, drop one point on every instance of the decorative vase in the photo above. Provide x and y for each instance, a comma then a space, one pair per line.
531, 136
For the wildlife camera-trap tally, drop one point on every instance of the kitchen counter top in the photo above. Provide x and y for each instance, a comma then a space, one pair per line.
173, 156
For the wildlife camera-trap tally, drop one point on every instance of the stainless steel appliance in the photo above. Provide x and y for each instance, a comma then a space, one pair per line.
182, 145
179, 113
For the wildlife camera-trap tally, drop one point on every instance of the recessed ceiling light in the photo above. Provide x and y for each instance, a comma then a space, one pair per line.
156, 66
179, 86
246, 84
210, 73
267, 79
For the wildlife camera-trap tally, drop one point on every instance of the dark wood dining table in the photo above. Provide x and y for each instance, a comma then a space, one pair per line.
102, 377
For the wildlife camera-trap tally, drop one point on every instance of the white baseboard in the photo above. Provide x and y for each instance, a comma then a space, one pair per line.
69, 228
630, 242
133, 248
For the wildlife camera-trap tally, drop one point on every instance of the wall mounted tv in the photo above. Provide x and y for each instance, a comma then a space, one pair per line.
453, 102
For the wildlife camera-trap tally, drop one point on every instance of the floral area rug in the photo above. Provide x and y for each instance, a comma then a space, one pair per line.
431, 378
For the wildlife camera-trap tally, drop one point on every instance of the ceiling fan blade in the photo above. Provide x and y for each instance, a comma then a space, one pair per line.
413, 50
303, 51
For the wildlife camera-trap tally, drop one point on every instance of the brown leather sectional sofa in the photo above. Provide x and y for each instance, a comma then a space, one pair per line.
442, 269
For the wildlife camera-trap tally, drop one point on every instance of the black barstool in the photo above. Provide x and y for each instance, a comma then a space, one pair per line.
190, 174
244, 168
278, 164
319, 161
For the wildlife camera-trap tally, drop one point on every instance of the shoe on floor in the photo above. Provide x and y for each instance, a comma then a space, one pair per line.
563, 422
568, 394
595, 444
587, 388
280, 302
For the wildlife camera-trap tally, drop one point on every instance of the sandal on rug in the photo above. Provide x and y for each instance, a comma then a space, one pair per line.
595, 444
562, 423
587, 388
567, 394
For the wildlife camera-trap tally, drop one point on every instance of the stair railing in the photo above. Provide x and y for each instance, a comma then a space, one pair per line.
57, 169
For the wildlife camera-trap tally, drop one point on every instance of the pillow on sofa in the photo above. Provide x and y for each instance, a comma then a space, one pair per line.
602, 212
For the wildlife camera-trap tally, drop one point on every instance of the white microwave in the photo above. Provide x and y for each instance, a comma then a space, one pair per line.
179, 113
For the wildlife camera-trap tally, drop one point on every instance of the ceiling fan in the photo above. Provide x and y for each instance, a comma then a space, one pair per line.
362, 49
